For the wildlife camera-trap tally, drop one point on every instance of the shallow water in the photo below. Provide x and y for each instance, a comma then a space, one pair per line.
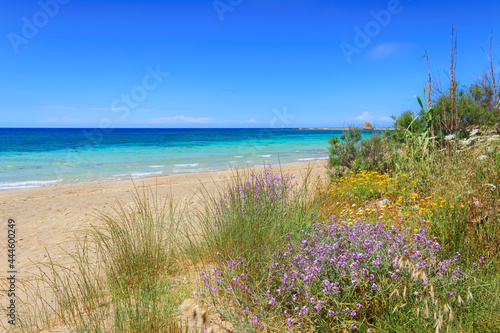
41, 157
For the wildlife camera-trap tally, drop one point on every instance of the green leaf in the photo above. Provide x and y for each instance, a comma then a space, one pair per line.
420, 102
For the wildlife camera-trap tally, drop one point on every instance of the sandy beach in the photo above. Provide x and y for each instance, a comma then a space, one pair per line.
47, 218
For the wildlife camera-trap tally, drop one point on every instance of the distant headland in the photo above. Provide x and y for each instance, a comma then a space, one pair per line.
366, 127
338, 129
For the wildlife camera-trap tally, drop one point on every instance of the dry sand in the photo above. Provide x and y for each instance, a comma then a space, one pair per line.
48, 217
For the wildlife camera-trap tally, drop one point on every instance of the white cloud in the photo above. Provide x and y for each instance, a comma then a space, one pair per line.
58, 107
68, 120
385, 50
366, 116
182, 119
100, 108
250, 121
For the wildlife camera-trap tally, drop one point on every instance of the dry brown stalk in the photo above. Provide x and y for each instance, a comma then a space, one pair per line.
453, 83
429, 90
493, 78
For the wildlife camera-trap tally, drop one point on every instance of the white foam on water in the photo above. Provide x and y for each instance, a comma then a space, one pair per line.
27, 184
265, 155
312, 159
187, 165
157, 166
186, 171
238, 156
145, 174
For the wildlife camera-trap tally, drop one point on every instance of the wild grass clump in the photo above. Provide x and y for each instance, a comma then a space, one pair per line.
140, 244
139, 248
463, 181
123, 276
250, 218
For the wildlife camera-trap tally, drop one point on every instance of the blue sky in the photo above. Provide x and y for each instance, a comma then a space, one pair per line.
230, 63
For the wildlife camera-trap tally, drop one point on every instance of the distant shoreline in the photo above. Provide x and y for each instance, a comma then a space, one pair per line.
338, 129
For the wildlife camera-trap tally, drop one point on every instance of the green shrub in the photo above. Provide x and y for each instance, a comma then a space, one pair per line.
407, 121
351, 152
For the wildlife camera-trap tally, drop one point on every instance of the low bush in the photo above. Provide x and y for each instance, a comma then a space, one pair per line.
351, 152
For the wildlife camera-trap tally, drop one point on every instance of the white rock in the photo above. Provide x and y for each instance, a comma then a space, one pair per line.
384, 202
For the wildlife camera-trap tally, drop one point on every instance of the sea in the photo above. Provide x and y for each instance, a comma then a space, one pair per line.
34, 157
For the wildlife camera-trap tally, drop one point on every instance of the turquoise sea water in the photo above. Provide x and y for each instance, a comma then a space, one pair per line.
40, 157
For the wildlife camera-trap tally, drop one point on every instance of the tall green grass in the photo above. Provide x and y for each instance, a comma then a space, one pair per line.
124, 275
249, 218
467, 175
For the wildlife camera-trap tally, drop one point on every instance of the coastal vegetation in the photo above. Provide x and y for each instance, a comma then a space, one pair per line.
403, 236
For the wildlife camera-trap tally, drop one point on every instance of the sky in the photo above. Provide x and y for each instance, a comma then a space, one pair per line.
231, 63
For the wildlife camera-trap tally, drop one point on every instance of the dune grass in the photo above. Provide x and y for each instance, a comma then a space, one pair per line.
249, 217
123, 276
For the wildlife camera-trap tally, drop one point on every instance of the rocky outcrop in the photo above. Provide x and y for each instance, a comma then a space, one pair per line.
367, 126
